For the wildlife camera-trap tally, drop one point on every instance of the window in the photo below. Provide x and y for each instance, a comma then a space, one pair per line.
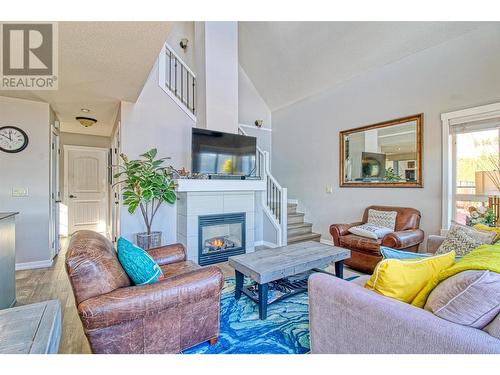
473, 153
470, 147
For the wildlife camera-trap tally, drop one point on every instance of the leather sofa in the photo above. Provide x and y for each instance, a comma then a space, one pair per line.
365, 252
169, 316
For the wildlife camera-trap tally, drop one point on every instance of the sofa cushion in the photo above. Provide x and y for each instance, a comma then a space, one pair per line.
365, 245
493, 329
138, 264
370, 231
386, 219
470, 298
403, 279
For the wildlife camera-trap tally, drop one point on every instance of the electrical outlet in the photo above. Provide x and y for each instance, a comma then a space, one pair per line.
19, 192
329, 189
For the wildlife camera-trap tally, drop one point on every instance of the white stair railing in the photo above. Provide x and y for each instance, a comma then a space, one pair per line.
275, 198
177, 80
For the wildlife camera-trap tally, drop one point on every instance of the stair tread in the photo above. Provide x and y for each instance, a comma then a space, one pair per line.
299, 225
304, 237
296, 214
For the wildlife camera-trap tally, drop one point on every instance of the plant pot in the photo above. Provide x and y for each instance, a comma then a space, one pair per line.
148, 241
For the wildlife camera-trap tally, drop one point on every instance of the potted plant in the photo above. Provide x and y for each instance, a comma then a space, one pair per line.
146, 185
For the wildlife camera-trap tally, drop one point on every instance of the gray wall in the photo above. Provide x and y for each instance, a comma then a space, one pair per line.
27, 169
461, 73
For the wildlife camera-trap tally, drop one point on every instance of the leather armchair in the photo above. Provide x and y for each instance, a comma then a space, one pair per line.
365, 252
169, 316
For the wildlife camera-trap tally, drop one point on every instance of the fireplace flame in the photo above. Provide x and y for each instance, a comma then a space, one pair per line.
217, 242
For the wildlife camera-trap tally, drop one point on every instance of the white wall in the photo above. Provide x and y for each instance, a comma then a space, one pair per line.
27, 169
155, 121
461, 73
217, 75
251, 106
179, 31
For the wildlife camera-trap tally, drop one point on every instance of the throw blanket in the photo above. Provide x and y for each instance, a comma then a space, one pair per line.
485, 257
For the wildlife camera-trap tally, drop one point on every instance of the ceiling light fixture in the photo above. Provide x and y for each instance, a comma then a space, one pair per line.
86, 121
86, 110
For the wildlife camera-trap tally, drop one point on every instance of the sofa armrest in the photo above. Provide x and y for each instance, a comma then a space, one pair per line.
168, 254
339, 230
403, 239
135, 302
346, 318
433, 243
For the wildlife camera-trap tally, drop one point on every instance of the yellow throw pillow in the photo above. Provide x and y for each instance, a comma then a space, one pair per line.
485, 228
402, 279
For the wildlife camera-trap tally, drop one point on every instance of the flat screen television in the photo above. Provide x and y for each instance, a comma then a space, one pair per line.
222, 155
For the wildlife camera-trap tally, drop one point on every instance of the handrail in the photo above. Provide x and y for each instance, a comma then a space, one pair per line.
177, 80
275, 198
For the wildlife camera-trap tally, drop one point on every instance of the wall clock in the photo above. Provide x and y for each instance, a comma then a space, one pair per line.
12, 139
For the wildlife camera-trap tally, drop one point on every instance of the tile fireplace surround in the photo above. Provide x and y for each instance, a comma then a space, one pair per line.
212, 197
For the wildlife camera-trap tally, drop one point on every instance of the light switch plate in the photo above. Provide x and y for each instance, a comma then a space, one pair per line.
329, 189
19, 192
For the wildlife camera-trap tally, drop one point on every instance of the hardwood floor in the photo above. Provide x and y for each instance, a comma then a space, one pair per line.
53, 283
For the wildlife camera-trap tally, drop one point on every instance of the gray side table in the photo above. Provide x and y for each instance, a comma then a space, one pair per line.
31, 329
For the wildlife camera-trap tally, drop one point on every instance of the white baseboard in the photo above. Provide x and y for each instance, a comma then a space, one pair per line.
33, 265
326, 242
266, 244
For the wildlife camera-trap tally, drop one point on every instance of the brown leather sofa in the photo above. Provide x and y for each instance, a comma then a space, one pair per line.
165, 317
365, 252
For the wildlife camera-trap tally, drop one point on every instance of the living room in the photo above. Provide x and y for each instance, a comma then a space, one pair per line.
168, 190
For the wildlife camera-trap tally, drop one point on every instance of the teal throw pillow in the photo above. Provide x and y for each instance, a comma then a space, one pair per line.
137, 263
390, 253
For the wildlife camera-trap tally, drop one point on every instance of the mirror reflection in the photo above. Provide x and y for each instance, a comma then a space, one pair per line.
387, 154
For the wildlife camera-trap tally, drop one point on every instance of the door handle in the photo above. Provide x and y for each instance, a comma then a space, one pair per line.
72, 196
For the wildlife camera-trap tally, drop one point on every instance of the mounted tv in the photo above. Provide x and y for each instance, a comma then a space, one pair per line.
223, 155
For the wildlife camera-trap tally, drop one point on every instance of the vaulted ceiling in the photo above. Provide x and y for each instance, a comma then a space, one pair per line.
289, 61
100, 64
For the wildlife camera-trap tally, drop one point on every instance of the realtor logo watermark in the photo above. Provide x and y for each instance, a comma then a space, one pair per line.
29, 59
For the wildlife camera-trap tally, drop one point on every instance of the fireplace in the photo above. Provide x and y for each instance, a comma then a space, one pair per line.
220, 236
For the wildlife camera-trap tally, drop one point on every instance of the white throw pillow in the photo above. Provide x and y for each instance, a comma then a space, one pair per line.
370, 231
386, 219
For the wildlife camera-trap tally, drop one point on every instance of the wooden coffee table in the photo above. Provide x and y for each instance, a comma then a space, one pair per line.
269, 265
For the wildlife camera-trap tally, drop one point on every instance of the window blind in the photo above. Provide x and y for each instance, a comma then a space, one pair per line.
458, 126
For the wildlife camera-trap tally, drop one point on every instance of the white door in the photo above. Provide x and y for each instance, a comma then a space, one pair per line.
87, 188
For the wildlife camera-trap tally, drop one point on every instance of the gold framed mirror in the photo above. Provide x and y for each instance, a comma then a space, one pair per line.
387, 154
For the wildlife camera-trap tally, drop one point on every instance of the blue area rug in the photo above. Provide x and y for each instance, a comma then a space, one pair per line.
285, 331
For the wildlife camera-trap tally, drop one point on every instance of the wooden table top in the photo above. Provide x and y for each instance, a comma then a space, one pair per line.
31, 329
268, 265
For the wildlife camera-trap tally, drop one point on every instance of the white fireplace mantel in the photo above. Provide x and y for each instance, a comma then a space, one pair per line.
192, 185
215, 197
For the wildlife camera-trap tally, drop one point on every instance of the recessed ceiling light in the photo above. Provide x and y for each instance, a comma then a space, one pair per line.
86, 110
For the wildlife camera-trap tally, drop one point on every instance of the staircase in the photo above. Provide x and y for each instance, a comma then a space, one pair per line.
298, 229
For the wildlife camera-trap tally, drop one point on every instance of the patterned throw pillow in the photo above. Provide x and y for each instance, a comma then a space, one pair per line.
138, 264
460, 241
369, 231
386, 219
486, 237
